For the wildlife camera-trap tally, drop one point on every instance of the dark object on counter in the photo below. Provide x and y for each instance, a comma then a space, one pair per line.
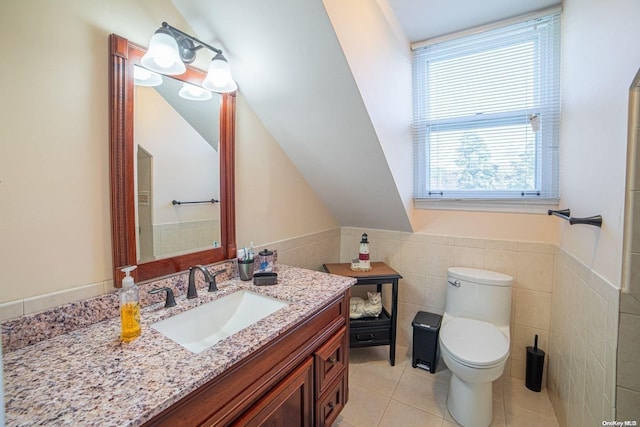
262, 279
426, 351
265, 260
535, 366
245, 269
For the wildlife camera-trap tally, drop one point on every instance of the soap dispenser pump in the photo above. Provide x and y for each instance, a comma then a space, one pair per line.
129, 307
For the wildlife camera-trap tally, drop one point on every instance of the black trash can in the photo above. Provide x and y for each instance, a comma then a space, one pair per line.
426, 350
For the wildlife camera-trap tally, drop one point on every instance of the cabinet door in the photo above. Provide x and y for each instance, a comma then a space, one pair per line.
288, 404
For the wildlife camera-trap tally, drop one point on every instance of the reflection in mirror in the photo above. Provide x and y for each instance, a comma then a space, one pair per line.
176, 142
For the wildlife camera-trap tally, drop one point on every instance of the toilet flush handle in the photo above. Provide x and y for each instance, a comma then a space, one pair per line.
456, 283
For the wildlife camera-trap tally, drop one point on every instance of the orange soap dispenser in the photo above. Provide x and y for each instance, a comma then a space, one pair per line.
129, 307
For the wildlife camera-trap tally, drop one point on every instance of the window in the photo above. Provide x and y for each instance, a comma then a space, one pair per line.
486, 115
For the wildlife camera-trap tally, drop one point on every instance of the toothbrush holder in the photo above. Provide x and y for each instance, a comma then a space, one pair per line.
245, 269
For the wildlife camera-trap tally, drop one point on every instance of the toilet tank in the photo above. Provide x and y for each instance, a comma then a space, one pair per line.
479, 294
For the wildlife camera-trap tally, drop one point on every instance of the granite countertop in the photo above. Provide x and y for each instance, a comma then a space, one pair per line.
88, 377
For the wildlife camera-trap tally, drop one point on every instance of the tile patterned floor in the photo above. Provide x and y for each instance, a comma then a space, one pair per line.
401, 396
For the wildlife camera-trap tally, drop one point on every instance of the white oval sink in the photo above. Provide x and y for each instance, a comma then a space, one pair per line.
201, 327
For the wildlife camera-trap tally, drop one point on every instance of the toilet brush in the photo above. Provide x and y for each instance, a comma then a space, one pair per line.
535, 366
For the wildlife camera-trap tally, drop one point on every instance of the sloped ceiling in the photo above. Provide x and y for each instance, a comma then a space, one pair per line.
291, 70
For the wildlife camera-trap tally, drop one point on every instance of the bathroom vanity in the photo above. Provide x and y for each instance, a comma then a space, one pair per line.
290, 368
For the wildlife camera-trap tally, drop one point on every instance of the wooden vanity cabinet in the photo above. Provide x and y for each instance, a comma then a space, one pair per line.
300, 378
287, 404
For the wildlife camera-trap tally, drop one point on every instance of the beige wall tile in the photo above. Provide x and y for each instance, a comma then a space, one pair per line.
594, 387
629, 352
540, 248
518, 369
43, 302
502, 261
533, 309
435, 294
411, 288
503, 245
413, 257
468, 257
535, 271
634, 277
596, 325
635, 214
629, 303
442, 240
581, 305
469, 243
578, 360
523, 337
406, 314
574, 404
107, 286
610, 374
439, 259
627, 404
613, 315
9, 310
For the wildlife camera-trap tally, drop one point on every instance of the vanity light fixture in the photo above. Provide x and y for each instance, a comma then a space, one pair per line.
170, 49
194, 93
144, 77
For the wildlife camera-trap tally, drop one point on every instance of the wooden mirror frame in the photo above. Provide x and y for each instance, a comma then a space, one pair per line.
123, 56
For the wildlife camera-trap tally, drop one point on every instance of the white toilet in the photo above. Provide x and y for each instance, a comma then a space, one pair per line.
474, 340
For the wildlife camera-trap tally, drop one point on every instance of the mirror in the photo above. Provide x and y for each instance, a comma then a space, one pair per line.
157, 190
177, 168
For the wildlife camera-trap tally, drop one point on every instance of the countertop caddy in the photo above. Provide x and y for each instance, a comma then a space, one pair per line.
381, 330
88, 377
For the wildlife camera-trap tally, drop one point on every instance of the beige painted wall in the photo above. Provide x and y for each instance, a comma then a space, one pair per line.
54, 159
273, 201
485, 225
600, 58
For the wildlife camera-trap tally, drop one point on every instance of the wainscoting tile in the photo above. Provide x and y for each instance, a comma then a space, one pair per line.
533, 309
535, 271
628, 350
43, 302
9, 310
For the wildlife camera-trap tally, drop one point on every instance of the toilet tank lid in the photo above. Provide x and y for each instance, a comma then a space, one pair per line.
476, 275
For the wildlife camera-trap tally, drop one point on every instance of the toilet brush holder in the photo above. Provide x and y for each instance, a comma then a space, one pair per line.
535, 367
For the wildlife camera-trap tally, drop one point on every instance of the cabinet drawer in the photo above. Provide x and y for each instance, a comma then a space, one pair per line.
329, 406
362, 337
331, 360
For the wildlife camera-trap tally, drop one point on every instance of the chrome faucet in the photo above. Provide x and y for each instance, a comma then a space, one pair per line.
208, 277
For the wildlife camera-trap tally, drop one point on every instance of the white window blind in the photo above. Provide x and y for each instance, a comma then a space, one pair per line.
486, 115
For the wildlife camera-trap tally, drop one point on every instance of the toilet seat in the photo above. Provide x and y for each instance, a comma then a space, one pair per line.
474, 343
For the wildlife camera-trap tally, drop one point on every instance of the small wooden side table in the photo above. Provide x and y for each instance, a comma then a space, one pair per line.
381, 330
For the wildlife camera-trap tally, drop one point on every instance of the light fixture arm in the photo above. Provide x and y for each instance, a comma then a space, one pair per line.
192, 39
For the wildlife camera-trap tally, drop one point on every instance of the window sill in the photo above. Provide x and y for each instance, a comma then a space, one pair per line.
528, 206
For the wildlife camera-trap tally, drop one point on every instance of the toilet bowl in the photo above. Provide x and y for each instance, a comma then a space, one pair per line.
474, 341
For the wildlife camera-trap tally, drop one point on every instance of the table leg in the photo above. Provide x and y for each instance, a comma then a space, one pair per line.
394, 319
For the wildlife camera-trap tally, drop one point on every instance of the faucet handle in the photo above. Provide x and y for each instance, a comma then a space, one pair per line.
171, 301
212, 283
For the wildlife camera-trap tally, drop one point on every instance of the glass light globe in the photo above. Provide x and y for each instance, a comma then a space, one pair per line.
162, 55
